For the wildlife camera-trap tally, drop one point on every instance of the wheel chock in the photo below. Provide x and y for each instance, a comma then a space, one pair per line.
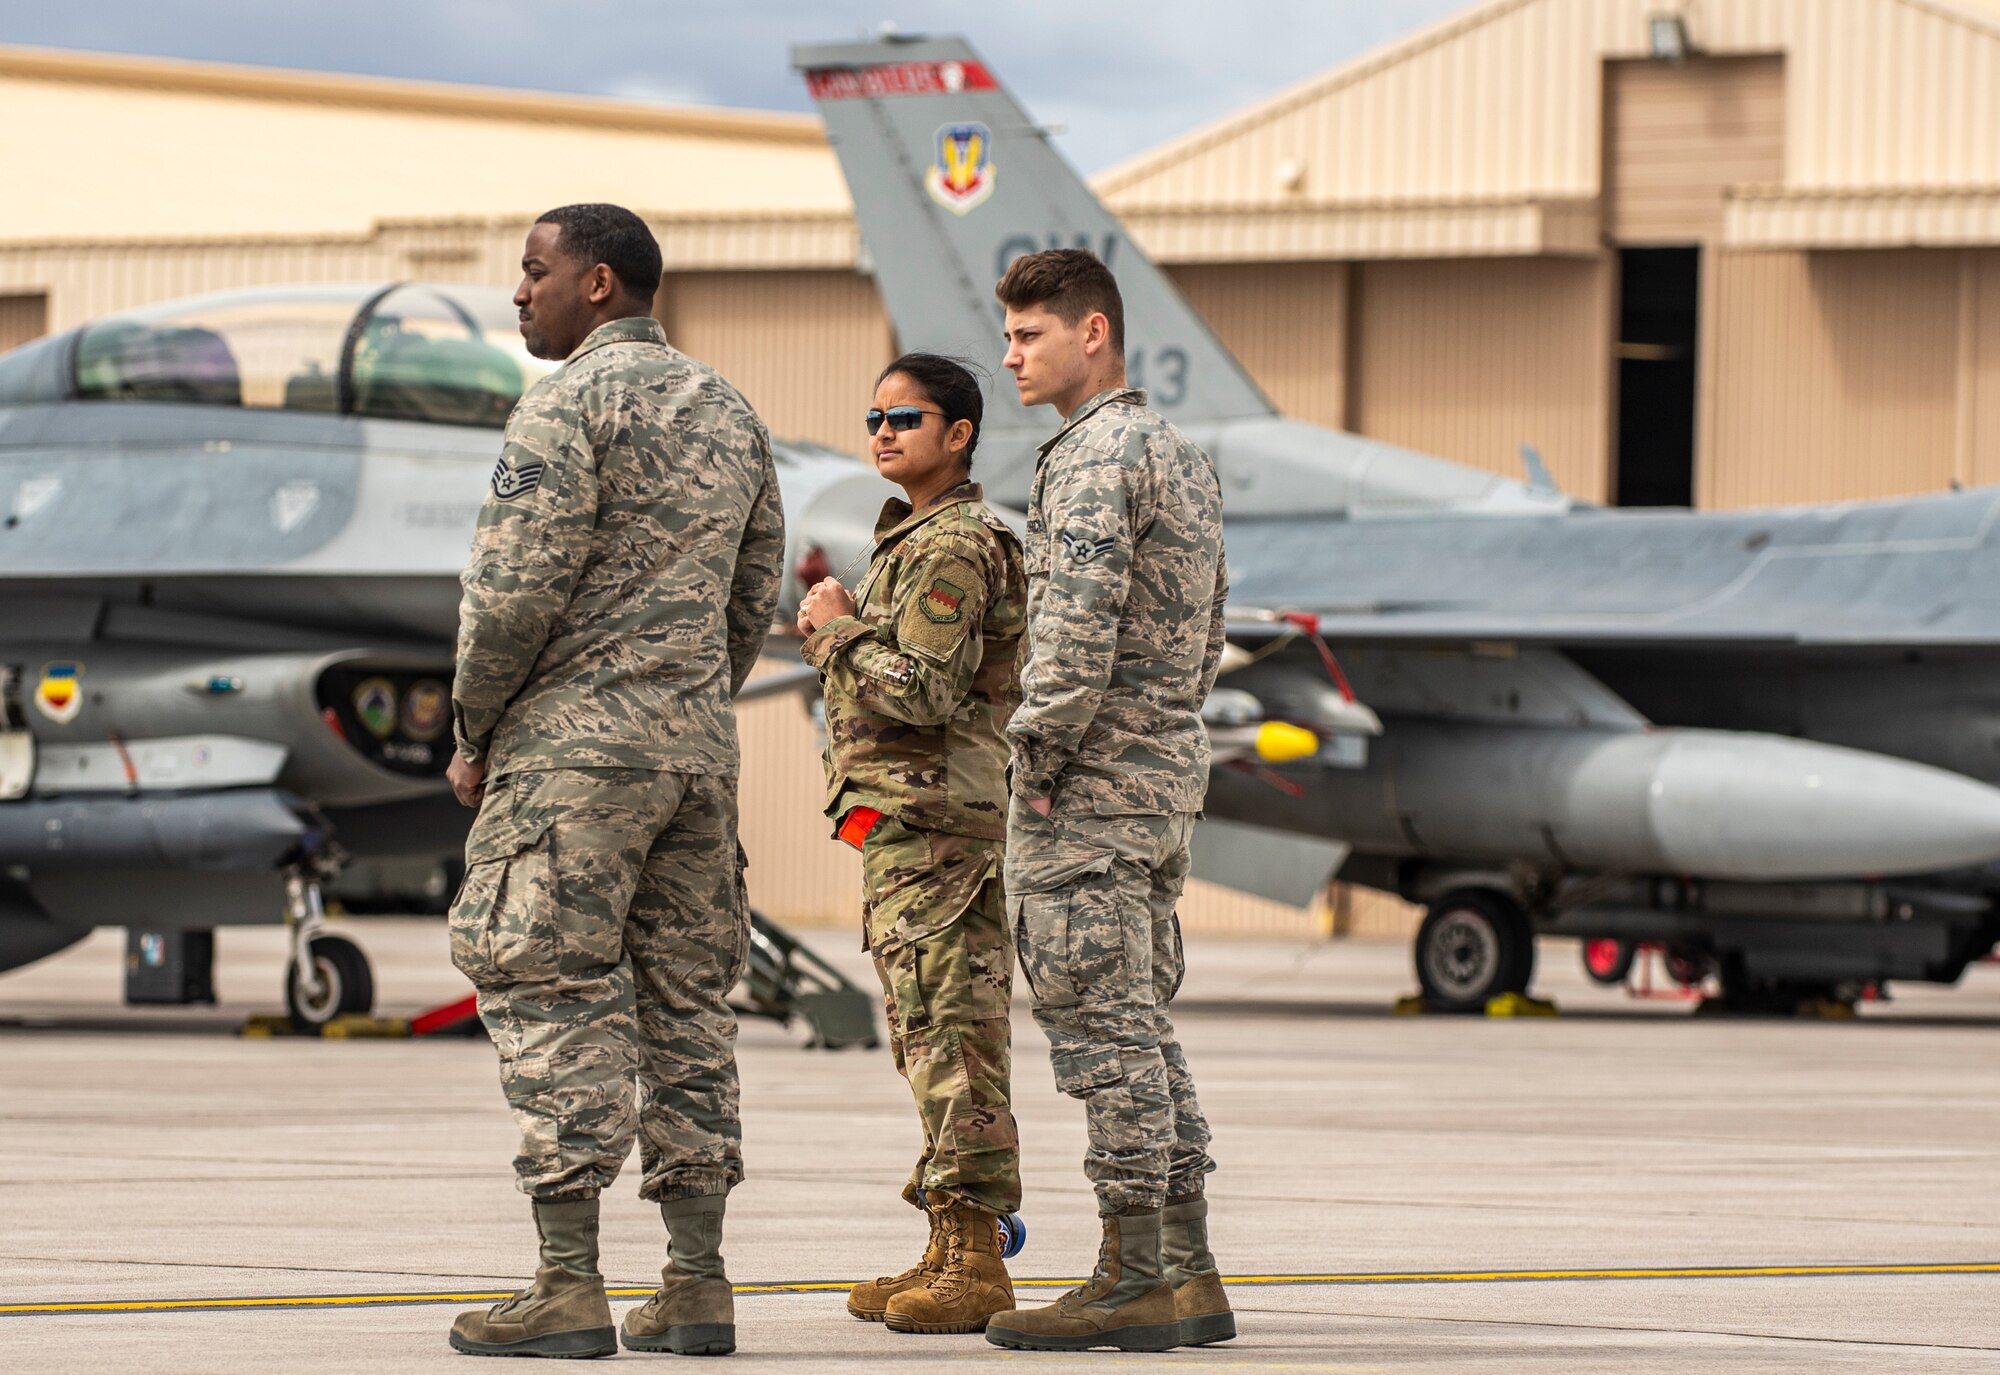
347, 1027
1411, 1005
1519, 1005
355, 1027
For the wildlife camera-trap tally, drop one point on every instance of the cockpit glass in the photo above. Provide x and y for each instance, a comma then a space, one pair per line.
444, 354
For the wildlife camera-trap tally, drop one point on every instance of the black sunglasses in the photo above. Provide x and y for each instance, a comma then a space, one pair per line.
900, 418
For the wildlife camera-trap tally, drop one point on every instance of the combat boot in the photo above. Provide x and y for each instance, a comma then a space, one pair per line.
1126, 1303
564, 1312
970, 1283
869, 1300
1189, 1266
693, 1313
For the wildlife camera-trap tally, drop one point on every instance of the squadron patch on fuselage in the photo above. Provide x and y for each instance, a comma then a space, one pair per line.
510, 482
59, 696
1082, 548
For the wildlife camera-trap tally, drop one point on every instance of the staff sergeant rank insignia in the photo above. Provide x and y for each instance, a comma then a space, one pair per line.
510, 482
941, 602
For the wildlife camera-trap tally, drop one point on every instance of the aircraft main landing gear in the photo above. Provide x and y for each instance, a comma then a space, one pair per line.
328, 975
1475, 945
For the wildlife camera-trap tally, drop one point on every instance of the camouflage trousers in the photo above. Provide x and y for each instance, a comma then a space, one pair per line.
936, 924
1093, 902
603, 923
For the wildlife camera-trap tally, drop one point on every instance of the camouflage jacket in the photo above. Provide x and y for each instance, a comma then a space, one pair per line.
919, 684
625, 569
1125, 625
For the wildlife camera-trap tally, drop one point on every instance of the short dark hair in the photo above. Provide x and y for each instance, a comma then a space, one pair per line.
594, 232
947, 384
1072, 282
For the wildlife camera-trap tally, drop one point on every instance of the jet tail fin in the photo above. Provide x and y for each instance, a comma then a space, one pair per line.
952, 182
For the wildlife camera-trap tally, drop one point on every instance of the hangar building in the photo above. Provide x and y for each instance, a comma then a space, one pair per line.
1731, 252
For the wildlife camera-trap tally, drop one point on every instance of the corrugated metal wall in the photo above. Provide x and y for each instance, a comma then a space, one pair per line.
1471, 360
804, 347
1833, 376
1677, 136
1503, 100
1981, 404
22, 318
1286, 323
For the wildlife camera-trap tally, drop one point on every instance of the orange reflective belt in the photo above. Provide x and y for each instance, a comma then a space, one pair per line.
855, 826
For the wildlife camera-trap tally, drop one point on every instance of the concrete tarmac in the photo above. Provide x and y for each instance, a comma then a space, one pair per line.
1397, 1193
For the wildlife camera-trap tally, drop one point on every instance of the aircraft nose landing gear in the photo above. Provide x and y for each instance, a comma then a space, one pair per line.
328, 975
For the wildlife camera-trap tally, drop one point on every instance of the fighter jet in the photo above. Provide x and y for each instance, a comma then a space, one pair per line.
1768, 739
230, 530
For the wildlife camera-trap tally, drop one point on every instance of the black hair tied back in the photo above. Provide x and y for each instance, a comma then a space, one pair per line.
949, 385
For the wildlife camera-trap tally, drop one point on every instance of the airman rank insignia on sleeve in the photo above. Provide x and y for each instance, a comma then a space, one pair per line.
510, 482
1082, 548
941, 603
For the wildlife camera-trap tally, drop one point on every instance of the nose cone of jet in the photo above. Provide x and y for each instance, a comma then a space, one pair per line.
1768, 808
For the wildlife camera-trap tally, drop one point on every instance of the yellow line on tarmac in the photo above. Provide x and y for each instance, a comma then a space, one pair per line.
1722, 1272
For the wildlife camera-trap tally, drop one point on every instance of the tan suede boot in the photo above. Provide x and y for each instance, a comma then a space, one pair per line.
693, 1313
1199, 1301
869, 1300
970, 1284
564, 1312
1126, 1304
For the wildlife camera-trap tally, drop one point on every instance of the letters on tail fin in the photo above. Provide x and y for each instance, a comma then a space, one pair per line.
952, 182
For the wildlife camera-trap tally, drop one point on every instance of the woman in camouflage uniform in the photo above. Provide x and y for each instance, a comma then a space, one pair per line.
919, 684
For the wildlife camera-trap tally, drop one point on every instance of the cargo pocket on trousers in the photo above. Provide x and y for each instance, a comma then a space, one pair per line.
503, 924
1082, 1070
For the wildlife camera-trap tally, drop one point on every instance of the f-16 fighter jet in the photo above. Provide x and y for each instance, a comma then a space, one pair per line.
1766, 738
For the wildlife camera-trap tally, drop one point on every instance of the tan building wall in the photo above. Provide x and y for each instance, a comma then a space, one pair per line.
1850, 375
804, 347
1980, 329
1676, 138
23, 317
1286, 323
1472, 359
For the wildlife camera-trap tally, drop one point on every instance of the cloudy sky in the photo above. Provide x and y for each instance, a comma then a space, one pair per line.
1119, 76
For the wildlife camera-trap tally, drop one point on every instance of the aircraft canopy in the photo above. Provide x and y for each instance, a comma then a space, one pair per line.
446, 354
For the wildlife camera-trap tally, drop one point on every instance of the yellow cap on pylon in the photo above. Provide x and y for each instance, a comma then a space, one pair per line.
1280, 742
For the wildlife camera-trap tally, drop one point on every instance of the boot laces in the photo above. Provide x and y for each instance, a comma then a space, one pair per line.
924, 1263
955, 1274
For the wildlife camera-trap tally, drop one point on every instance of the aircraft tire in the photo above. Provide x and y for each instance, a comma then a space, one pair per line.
1474, 945
1608, 960
349, 987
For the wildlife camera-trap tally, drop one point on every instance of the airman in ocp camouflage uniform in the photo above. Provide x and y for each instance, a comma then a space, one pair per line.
919, 684
1125, 636
623, 577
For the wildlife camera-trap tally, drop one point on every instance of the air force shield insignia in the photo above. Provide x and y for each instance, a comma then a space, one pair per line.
962, 176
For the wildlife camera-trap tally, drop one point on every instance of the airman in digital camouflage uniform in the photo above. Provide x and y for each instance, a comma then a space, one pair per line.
624, 574
919, 684
1125, 633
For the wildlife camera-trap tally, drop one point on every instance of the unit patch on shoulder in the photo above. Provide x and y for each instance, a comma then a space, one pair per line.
1082, 548
942, 602
510, 482
59, 694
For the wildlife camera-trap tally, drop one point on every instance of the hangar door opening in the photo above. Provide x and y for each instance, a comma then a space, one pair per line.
1659, 294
